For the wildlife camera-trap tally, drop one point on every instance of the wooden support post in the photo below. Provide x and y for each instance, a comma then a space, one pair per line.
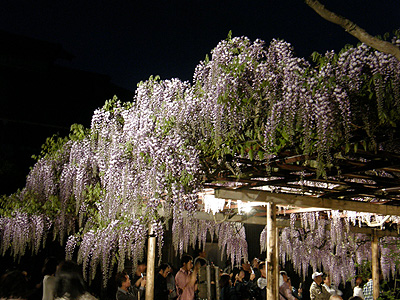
271, 252
276, 265
375, 264
217, 289
151, 257
208, 282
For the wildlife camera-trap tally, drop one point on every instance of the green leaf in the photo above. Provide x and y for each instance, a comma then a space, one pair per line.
251, 154
261, 155
347, 148
229, 37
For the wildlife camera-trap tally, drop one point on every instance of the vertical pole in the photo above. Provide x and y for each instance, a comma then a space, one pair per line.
208, 269
217, 290
375, 265
271, 252
276, 265
151, 257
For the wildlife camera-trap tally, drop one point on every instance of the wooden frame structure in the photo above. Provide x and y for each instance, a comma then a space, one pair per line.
360, 181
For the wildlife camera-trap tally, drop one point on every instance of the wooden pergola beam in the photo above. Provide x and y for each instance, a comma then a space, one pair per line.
306, 201
281, 223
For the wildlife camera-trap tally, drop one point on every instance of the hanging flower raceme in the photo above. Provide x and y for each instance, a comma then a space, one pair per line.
21, 231
232, 241
332, 247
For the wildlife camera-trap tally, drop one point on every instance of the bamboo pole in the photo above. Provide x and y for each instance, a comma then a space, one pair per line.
375, 265
271, 252
151, 257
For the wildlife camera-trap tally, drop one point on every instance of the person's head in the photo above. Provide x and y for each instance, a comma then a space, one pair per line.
50, 266
256, 263
141, 267
284, 275
317, 277
69, 280
202, 253
224, 280
326, 279
335, 297
199, 262
359, 281
123, 281
164, 270
263, 269
187, 262
245, 265
13, 285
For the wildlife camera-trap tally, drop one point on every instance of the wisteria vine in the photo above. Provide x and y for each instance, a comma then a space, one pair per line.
143, 163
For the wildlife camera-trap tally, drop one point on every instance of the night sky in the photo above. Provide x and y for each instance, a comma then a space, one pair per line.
131, 40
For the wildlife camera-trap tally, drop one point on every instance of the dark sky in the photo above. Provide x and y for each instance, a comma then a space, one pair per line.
129, 40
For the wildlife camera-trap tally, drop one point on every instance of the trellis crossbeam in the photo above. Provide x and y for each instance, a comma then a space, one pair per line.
306, 201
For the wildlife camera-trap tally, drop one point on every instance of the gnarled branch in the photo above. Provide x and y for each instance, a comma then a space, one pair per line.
354, 30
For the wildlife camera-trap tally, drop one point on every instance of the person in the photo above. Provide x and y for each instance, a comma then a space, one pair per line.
262, 282
124, 291
330, 287
256, 268
225, 286
201, 255
281, 281
358, 291
355, 298
317, 291
171, 284
228, 267
185, 279
368, 290
13, 285
70, 284
297, 293
161, 290
246, 267
245, 289
241, 285
49, 279
139, 279
285, 290
201, 264
249, 279
335, 297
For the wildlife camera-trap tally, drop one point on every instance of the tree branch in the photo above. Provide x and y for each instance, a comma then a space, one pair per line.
354, 30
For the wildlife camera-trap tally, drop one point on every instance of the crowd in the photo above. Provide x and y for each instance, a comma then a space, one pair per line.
63, 281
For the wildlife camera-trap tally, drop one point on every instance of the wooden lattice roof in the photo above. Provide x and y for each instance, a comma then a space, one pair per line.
360, 181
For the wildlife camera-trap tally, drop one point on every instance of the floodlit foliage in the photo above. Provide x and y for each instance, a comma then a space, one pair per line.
143, 163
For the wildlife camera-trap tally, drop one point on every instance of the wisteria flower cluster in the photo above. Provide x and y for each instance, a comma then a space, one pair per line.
330, 246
